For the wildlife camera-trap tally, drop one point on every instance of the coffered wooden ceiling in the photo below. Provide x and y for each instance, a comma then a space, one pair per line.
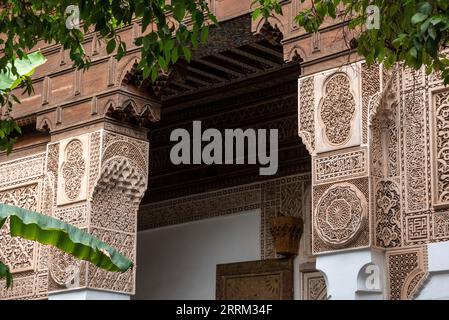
238, 80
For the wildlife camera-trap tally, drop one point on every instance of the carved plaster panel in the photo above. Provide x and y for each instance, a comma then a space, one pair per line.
306, 114
440, 145
73, 170
21, 182
407, 271
313, 286
339, 165
337, 105
340, 216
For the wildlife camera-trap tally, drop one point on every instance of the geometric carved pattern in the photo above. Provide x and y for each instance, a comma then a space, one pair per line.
441, 225
118, 282
94, 156
339, 165
370, 86
440, 133
388, 215
337, 110
417, 229
63, 268
407, 270
21, 170
19, 180
340, 214
75, 215
306, 113
313, 286
415, 152
291, 196
17, 253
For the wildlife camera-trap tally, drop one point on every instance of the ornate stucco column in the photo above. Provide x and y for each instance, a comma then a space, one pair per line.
334, 124
97, 180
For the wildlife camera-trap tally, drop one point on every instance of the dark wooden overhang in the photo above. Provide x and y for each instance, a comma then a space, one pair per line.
238, 80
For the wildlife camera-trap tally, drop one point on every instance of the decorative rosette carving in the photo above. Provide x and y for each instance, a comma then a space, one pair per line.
340, 214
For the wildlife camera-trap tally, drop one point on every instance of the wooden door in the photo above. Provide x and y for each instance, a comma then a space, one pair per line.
255, 280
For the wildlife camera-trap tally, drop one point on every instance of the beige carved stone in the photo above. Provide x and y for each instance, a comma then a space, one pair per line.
20, 185
337, 105
407, 271
313, 286
341, 214
102, 177
440, 144
72, 170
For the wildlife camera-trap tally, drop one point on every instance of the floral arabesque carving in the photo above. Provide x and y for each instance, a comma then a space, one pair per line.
388, 215
17, 253
441, 149
73, 169
64, 269
338, 109
340, 214
306, 113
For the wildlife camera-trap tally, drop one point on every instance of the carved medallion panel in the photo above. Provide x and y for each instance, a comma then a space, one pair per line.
340, 216
73, 169
338, 111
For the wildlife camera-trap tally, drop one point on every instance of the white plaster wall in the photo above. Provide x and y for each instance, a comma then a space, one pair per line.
436, 286
341, 271
179, 262
87, 294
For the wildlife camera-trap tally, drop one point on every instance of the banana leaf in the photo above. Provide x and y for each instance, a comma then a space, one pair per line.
34, 226
25, 67
5, 274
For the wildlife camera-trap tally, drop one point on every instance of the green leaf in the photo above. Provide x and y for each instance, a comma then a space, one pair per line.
24, 68
256, 13
187, 53
419, 17
204, 34
425, 8
162, 62
179, 11
46, 230
5, 273
111, 46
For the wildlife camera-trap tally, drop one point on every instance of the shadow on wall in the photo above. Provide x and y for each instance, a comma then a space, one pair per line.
179, 262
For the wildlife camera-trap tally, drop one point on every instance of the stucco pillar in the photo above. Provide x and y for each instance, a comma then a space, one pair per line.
96, 181
335, 113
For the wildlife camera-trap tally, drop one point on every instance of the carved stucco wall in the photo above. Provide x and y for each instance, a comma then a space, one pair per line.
383, 181
106, 181
94, 181
21, 183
